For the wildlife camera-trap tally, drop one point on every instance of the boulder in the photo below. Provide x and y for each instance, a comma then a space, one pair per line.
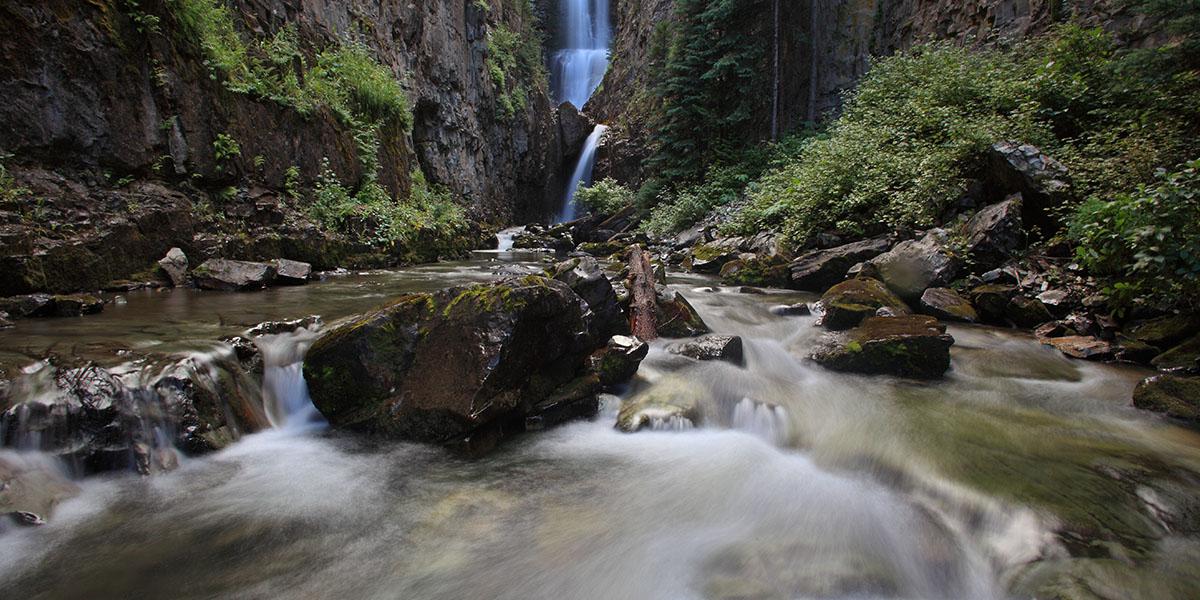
618, 361
77, 305
991, 300
676, 318
713, 346
709, 258
697, 234
846, 304
1027, 312
914, 346
1184, 356
1041, 181
995, 233
175, 267
585, 277
769, 271
232, 275
602, 249
946, 304
798, 309
1083, 347
463, 366
821, 269
1165, 332
30, 305
1172, 395
672, 403
291, 272
914, 266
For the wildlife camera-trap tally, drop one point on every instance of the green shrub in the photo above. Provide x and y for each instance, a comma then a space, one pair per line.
9, 190
210, 25
514, 64
225, 148
605, 197
1146, 244
358, 88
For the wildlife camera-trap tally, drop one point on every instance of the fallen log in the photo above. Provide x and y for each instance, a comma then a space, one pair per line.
643, 299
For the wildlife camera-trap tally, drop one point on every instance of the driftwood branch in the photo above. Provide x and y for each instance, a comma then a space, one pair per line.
643, 300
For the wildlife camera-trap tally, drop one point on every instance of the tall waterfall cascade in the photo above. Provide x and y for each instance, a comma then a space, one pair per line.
576, 72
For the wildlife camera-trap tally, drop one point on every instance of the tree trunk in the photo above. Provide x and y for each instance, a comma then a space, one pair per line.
643, 299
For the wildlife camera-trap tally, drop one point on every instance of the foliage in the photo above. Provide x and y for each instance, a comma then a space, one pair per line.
605, 197
209, 23
514, 63
916, 130
1146, 243
9, 190
225, 148
374, 216
358, 88
712, 66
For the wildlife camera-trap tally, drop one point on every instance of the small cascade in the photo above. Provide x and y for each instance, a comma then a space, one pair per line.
766, 421
582, 174
504, 239
670, 423
285, 393
577, 69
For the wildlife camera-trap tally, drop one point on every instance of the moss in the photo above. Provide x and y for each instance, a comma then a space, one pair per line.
706, 253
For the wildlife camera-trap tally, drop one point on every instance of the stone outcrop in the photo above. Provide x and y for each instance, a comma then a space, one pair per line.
463, 366
820, 269
914, 266
846, 304
913, 346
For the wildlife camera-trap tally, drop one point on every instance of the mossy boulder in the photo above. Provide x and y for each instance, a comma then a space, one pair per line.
587, 280
601, 249
768, 271
1171, 395
618, 361
706, 258
671, 403
846, 304
232, 275
466, 365
1165, 332
947, 304
676, 318
820, 269
914, 346
1184, 356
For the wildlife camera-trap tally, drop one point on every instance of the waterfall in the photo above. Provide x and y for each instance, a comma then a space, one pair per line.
582, 174
285, 393
766, 421
577, 69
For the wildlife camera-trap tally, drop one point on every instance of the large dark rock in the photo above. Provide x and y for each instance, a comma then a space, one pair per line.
945, 303
709, 258
587, 280
1184, 356
462, 366
846, 304
291, 272
995, 233
232, 275
913, 346
29, 305
726, 348
77, 305
1171, 395
618, 361
1042, 182
1027, 312
914, 266
676, 318
1165, 332
821, 269
175, 266
762, 270
992, 299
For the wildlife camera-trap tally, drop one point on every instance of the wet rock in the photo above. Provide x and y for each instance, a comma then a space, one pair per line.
77, 305
726, 348
461, 366
1172, 395
5, 322
31, 487
768, 271
1001, 277
821, 269
946, 304
1134, 351
1083, 347
709, 258
672, 403
602, 249
846, 304
991, 301
232, 275
1165, 332
995, 233
677, 318
1041, 181
618, 361
175, 267
914, 346
1185, 356
798, 309
1027, 312
291, 272
916, 265
585, 277
279, 327
30, 305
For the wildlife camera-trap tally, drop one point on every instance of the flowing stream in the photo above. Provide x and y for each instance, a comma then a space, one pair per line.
1022, 471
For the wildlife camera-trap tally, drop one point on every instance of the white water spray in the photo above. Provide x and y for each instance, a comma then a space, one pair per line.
582, 175
285, 393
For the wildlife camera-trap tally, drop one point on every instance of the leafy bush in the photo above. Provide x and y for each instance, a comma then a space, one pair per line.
209, 23
1146, 243
358, 88
605, 197
514, 63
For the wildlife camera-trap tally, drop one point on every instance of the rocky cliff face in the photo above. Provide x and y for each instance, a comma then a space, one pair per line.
114, 122
824, 48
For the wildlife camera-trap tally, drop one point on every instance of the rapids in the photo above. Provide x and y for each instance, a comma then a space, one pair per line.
1022, 472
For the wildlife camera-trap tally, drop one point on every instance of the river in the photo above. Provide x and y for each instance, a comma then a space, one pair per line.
1023, 471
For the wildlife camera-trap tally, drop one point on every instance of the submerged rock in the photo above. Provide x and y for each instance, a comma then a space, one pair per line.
945, 303
1172, 395
670, 404
232, 275
726, 348
846, 304
913, 346
465, 365
821, 269
175, 266
916, 265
